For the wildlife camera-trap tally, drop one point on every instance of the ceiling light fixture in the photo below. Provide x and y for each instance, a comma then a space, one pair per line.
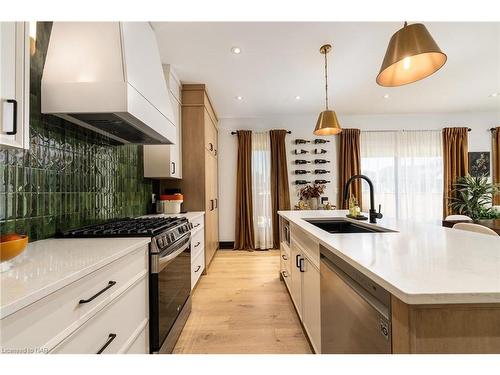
494, 95
239, 98
412, 55
386, 96
327, 123
297, 97
236, 50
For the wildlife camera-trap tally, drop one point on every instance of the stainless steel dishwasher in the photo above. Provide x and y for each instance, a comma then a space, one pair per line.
355, 311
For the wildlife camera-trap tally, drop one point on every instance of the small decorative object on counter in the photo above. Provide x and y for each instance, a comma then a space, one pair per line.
319, 151
11, 245
311, 194
321, 161
169, 204
301, 205
320, 171
299, 152
320, 141
301, 171
301, 141
354, 210
300, 161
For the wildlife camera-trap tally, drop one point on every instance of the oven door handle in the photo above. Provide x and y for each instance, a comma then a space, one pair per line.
161, 262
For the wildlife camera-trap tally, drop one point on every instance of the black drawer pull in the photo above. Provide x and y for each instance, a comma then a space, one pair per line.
110, 284
197, 269
14, 117
301, 265
197, 244
111, 337
196, 225
284, 257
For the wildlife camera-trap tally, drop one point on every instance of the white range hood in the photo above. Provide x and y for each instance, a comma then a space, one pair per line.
108, 77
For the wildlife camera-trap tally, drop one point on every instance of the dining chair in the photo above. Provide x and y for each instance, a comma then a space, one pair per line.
475, 228
457, 217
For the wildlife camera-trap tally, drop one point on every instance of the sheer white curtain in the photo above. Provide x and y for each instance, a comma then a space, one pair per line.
406, 168
261, 190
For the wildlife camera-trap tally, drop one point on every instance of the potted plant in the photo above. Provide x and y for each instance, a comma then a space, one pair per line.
311, 193
473, 197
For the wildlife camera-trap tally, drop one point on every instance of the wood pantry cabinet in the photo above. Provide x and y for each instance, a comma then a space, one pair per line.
14, 84
200, 162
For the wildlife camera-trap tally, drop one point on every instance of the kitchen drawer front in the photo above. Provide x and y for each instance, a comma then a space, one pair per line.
120, 318
307, 244
140, 342
48, 321
197, 267
198, 223
197, 243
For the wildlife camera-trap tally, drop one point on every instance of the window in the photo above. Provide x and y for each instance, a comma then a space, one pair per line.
406, 168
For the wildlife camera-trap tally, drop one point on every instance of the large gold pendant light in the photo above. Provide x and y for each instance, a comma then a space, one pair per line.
327, 121
411, 55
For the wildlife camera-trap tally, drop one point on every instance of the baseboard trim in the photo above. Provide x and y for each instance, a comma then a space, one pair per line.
225, 245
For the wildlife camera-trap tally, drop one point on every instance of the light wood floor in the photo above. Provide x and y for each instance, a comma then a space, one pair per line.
241, 306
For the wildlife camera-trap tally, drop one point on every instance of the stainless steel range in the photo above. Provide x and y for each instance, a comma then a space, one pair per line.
169, 271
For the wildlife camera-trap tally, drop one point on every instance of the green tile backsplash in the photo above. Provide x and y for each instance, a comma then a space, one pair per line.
70, 176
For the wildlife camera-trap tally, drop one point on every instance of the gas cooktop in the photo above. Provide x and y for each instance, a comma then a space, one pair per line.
141, 227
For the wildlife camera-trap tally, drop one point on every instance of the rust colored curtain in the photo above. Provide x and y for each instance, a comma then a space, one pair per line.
349, 164
455, 161
495, 147
244, 236
280, 194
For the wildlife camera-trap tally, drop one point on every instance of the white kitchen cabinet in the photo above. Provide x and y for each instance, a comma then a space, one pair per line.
164, 161
301, 274
197, 249
14, 84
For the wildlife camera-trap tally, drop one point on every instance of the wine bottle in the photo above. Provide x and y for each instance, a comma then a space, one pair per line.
298, 152
300, 161
301, 141
319, 151
321, 182
320, 171
301, 182
321, 161
317, 141
301, 171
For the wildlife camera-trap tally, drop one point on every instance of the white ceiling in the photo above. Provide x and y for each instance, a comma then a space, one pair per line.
281, 60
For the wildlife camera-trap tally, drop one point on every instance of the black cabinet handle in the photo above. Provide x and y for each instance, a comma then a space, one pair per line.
211, 146
110, 339
196, 225
284, 257
301, 265
173, 167
215, 152
211, 204
14, 117
216, 203
110, 284
197, 244
297, 260
197, 269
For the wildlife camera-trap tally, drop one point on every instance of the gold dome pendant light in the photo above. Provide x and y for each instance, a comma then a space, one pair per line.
327, 121
412, 54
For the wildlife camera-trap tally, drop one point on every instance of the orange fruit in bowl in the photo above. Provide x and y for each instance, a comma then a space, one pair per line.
11, 245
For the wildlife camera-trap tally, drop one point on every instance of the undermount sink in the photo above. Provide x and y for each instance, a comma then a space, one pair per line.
345, 226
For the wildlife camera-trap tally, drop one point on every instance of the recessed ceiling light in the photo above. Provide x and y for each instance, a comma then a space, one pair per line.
236, 50
495, 94
239, 97
297, 97
386, 96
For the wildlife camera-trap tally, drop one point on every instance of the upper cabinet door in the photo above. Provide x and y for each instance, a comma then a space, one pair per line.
141, 50
14, 84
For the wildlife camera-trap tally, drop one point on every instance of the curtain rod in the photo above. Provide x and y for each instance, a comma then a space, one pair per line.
287, 132
404, 130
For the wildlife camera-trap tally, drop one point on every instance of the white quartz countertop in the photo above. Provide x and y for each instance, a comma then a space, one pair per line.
48, 265
423, 263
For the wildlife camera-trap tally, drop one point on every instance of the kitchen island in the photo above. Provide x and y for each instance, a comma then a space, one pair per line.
444, 284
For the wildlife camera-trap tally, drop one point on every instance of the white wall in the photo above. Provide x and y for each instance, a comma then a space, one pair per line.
302, 127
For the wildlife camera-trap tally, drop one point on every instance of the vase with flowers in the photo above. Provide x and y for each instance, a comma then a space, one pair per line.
311, 193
